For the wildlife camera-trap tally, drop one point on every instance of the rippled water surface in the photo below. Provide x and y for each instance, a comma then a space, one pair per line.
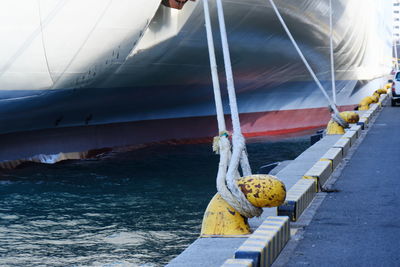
138, 208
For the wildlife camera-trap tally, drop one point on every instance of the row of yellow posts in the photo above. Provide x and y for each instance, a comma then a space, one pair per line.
353, 117
364, 104
221, 220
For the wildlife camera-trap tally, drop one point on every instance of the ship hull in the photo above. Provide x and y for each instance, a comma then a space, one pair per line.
160, 83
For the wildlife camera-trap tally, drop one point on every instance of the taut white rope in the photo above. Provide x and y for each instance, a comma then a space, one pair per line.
214, 69
331, 52
337, 117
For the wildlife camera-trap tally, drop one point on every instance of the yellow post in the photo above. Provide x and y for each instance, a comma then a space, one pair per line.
387, 87
382, 91
221, 220
334, 127
365, 102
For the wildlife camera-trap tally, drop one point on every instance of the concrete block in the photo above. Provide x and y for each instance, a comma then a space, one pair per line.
369, 114
298, 198
363, 122
352, 136
373, 108
267, 242
357, 129
344, 144
320, 172
334, 155
379, 105
383, 98
238, 263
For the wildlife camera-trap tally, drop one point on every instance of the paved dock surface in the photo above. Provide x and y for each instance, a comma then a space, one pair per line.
359, 225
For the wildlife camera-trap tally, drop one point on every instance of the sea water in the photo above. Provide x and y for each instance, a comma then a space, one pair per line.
137, 208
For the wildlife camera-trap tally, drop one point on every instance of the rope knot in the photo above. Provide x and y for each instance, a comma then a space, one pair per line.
216, 141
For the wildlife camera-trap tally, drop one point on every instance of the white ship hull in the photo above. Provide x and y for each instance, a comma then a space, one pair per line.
71, 63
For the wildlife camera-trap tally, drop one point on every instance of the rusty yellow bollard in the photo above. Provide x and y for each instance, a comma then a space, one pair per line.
221, 220
334, 127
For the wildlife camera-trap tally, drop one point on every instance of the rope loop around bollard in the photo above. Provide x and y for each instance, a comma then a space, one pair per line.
339, 120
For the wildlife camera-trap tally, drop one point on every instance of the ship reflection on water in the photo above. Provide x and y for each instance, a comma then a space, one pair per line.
137, 208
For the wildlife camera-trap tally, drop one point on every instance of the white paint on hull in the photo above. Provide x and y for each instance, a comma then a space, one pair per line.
22, 57
54, 44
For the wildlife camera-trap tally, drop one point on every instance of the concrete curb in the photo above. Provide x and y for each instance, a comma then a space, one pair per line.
356, 128
343, 144
352, 136
334, 155
362, 123
383, 99
238, 263
369, 114
373, 109
265, 244
320, 172
298, 198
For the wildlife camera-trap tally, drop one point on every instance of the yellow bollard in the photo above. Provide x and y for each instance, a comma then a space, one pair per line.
381, 91
375, 98
365, 102
335, 128
350, 116
263, 191
221, 220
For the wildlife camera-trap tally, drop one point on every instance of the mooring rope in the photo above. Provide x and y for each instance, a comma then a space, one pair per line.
333, 79
214, 70
332, 105
239, 153
229, 161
